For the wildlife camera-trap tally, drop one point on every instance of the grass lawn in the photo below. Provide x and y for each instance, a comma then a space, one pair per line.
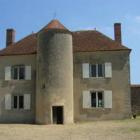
128, 129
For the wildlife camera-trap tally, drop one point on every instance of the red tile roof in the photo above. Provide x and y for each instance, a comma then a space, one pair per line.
54, 24
83, 41
135, 86
90, 41
26, 45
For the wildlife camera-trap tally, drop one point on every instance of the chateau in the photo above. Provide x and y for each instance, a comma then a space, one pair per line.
58, 76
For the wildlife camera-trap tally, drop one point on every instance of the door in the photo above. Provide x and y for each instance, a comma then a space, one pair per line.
57, 114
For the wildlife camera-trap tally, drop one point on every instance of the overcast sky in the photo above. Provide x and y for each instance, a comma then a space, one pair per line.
27, 16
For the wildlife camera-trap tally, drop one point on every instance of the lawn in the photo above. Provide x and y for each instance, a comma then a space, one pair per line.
128, 129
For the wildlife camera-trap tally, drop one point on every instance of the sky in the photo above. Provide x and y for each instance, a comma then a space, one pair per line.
27, 16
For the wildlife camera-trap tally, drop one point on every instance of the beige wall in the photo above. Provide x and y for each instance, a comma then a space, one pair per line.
119, 84
17, 87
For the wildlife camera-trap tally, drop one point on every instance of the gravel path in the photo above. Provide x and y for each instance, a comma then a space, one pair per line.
98, 130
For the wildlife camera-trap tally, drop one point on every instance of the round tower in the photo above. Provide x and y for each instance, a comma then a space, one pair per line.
54, 96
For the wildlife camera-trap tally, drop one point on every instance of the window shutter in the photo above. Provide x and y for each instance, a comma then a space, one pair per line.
108, 99
86, 99
27, 101
27, 72
85, 68
8, 101
8, 73
108, 70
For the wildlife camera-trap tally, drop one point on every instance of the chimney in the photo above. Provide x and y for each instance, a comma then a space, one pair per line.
117, 32
10, 37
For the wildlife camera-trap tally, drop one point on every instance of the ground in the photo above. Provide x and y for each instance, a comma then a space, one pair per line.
128, 129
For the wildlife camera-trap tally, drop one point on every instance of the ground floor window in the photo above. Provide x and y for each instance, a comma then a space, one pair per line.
97, 99
18, 101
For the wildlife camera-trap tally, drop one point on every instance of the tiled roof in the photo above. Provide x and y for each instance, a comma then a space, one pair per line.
135, 86
90, 41
54, 24
26, 45
83, 41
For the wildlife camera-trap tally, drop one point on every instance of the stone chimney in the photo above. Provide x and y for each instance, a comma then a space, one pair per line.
117, 32
10, 37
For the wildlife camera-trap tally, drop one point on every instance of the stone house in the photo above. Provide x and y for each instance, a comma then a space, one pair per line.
135, 99
60, 76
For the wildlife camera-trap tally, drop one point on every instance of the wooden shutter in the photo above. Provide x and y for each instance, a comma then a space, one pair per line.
8, 102
108, 99
27, 72
8, 73
108, 70
85, 69
27, 101
86, 99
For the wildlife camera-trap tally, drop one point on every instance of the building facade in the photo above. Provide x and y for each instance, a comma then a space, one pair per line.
135, 99
59, 76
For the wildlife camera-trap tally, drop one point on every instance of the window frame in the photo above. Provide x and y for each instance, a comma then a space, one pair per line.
97, 99
97, 70
18, 67
18, 102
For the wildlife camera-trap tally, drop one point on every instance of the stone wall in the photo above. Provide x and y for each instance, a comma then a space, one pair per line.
18, 87
119, 84
135, 99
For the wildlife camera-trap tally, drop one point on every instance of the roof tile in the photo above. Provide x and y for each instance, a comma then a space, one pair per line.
83, 41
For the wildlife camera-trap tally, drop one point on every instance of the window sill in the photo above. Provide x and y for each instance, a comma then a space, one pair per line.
97, 108
12, 80
97, 77
19, 110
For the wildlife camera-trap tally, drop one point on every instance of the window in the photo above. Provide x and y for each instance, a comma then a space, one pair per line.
18, 101
18, 72
97, 99
97, 70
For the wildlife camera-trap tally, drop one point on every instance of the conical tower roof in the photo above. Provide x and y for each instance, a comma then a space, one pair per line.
55, 24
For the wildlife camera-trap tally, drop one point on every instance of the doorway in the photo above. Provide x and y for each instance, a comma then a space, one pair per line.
57, 113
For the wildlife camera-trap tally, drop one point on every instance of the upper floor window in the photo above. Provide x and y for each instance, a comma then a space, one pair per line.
97, 70
18, 72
